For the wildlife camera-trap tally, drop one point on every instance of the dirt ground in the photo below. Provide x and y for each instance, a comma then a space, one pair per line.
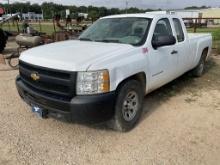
180, 125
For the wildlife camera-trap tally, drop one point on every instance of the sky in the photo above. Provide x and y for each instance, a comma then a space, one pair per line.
165, 4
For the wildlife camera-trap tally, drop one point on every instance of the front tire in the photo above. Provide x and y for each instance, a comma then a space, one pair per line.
129, 106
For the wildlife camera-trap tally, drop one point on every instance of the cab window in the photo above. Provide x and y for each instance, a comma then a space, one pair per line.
179, 30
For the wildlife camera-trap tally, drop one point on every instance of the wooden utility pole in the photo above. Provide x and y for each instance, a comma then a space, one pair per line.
195, 25
9, 8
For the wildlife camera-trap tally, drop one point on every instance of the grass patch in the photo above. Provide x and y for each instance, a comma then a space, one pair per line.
44, 28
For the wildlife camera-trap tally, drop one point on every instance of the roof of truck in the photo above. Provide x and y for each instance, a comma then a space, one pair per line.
144, 15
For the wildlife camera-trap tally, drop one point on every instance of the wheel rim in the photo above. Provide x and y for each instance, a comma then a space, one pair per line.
130, 106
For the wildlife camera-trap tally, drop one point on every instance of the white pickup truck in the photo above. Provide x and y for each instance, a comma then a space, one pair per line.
112, 65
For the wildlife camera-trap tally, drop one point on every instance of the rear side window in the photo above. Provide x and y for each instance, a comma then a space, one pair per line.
179, 30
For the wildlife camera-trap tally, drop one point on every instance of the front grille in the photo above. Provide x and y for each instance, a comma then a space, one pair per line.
52, 82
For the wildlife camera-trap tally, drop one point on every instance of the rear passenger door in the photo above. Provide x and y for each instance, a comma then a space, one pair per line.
182, 46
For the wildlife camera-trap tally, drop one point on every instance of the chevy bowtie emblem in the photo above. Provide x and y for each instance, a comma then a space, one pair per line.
35, 76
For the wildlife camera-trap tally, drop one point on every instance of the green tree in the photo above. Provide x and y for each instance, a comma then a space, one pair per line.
50, 9
103, 11
93, 14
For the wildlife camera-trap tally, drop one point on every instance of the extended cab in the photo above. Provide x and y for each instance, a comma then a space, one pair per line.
112, 65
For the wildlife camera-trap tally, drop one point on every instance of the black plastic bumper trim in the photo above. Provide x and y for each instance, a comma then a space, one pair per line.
101, 102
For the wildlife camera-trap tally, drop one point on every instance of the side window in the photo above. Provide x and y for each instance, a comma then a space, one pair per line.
179, 30
163, 27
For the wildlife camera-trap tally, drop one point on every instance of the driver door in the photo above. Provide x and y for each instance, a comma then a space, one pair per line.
162, 60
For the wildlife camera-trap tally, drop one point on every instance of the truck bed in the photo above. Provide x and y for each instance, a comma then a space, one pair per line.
196, 36
196, 42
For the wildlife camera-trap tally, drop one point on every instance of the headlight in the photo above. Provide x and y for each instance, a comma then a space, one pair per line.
93, 82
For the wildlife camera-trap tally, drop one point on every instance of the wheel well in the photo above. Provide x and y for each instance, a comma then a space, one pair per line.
141, 77
205, 51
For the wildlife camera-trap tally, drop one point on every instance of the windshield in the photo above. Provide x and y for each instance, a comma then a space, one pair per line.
118, 30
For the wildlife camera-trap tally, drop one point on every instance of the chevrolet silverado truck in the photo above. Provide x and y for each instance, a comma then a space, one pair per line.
111, 66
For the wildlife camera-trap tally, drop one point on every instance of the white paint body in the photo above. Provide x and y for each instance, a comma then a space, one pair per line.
123, 60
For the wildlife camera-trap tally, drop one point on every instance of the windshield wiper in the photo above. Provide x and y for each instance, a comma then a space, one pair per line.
108, 40
85, 39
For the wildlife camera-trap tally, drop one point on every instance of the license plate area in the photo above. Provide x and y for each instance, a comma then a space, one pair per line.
40, 112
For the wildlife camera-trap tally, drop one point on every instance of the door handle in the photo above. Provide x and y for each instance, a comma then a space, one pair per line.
174, 52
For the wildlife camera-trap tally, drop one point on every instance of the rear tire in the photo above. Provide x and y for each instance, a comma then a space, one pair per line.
198, 71
128, 107
3, 40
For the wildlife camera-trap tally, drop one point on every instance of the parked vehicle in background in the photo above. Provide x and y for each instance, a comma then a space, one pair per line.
115, 62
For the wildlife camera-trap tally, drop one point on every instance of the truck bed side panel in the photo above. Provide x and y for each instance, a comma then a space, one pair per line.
199, 42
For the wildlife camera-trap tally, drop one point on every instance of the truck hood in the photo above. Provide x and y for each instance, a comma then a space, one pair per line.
72, 55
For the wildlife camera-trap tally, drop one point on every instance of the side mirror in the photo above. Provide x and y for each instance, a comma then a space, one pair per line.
163, 40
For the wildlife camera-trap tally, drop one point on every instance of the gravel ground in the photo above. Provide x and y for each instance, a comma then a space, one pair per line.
180, 125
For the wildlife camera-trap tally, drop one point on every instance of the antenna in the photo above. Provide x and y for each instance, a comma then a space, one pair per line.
126, 3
